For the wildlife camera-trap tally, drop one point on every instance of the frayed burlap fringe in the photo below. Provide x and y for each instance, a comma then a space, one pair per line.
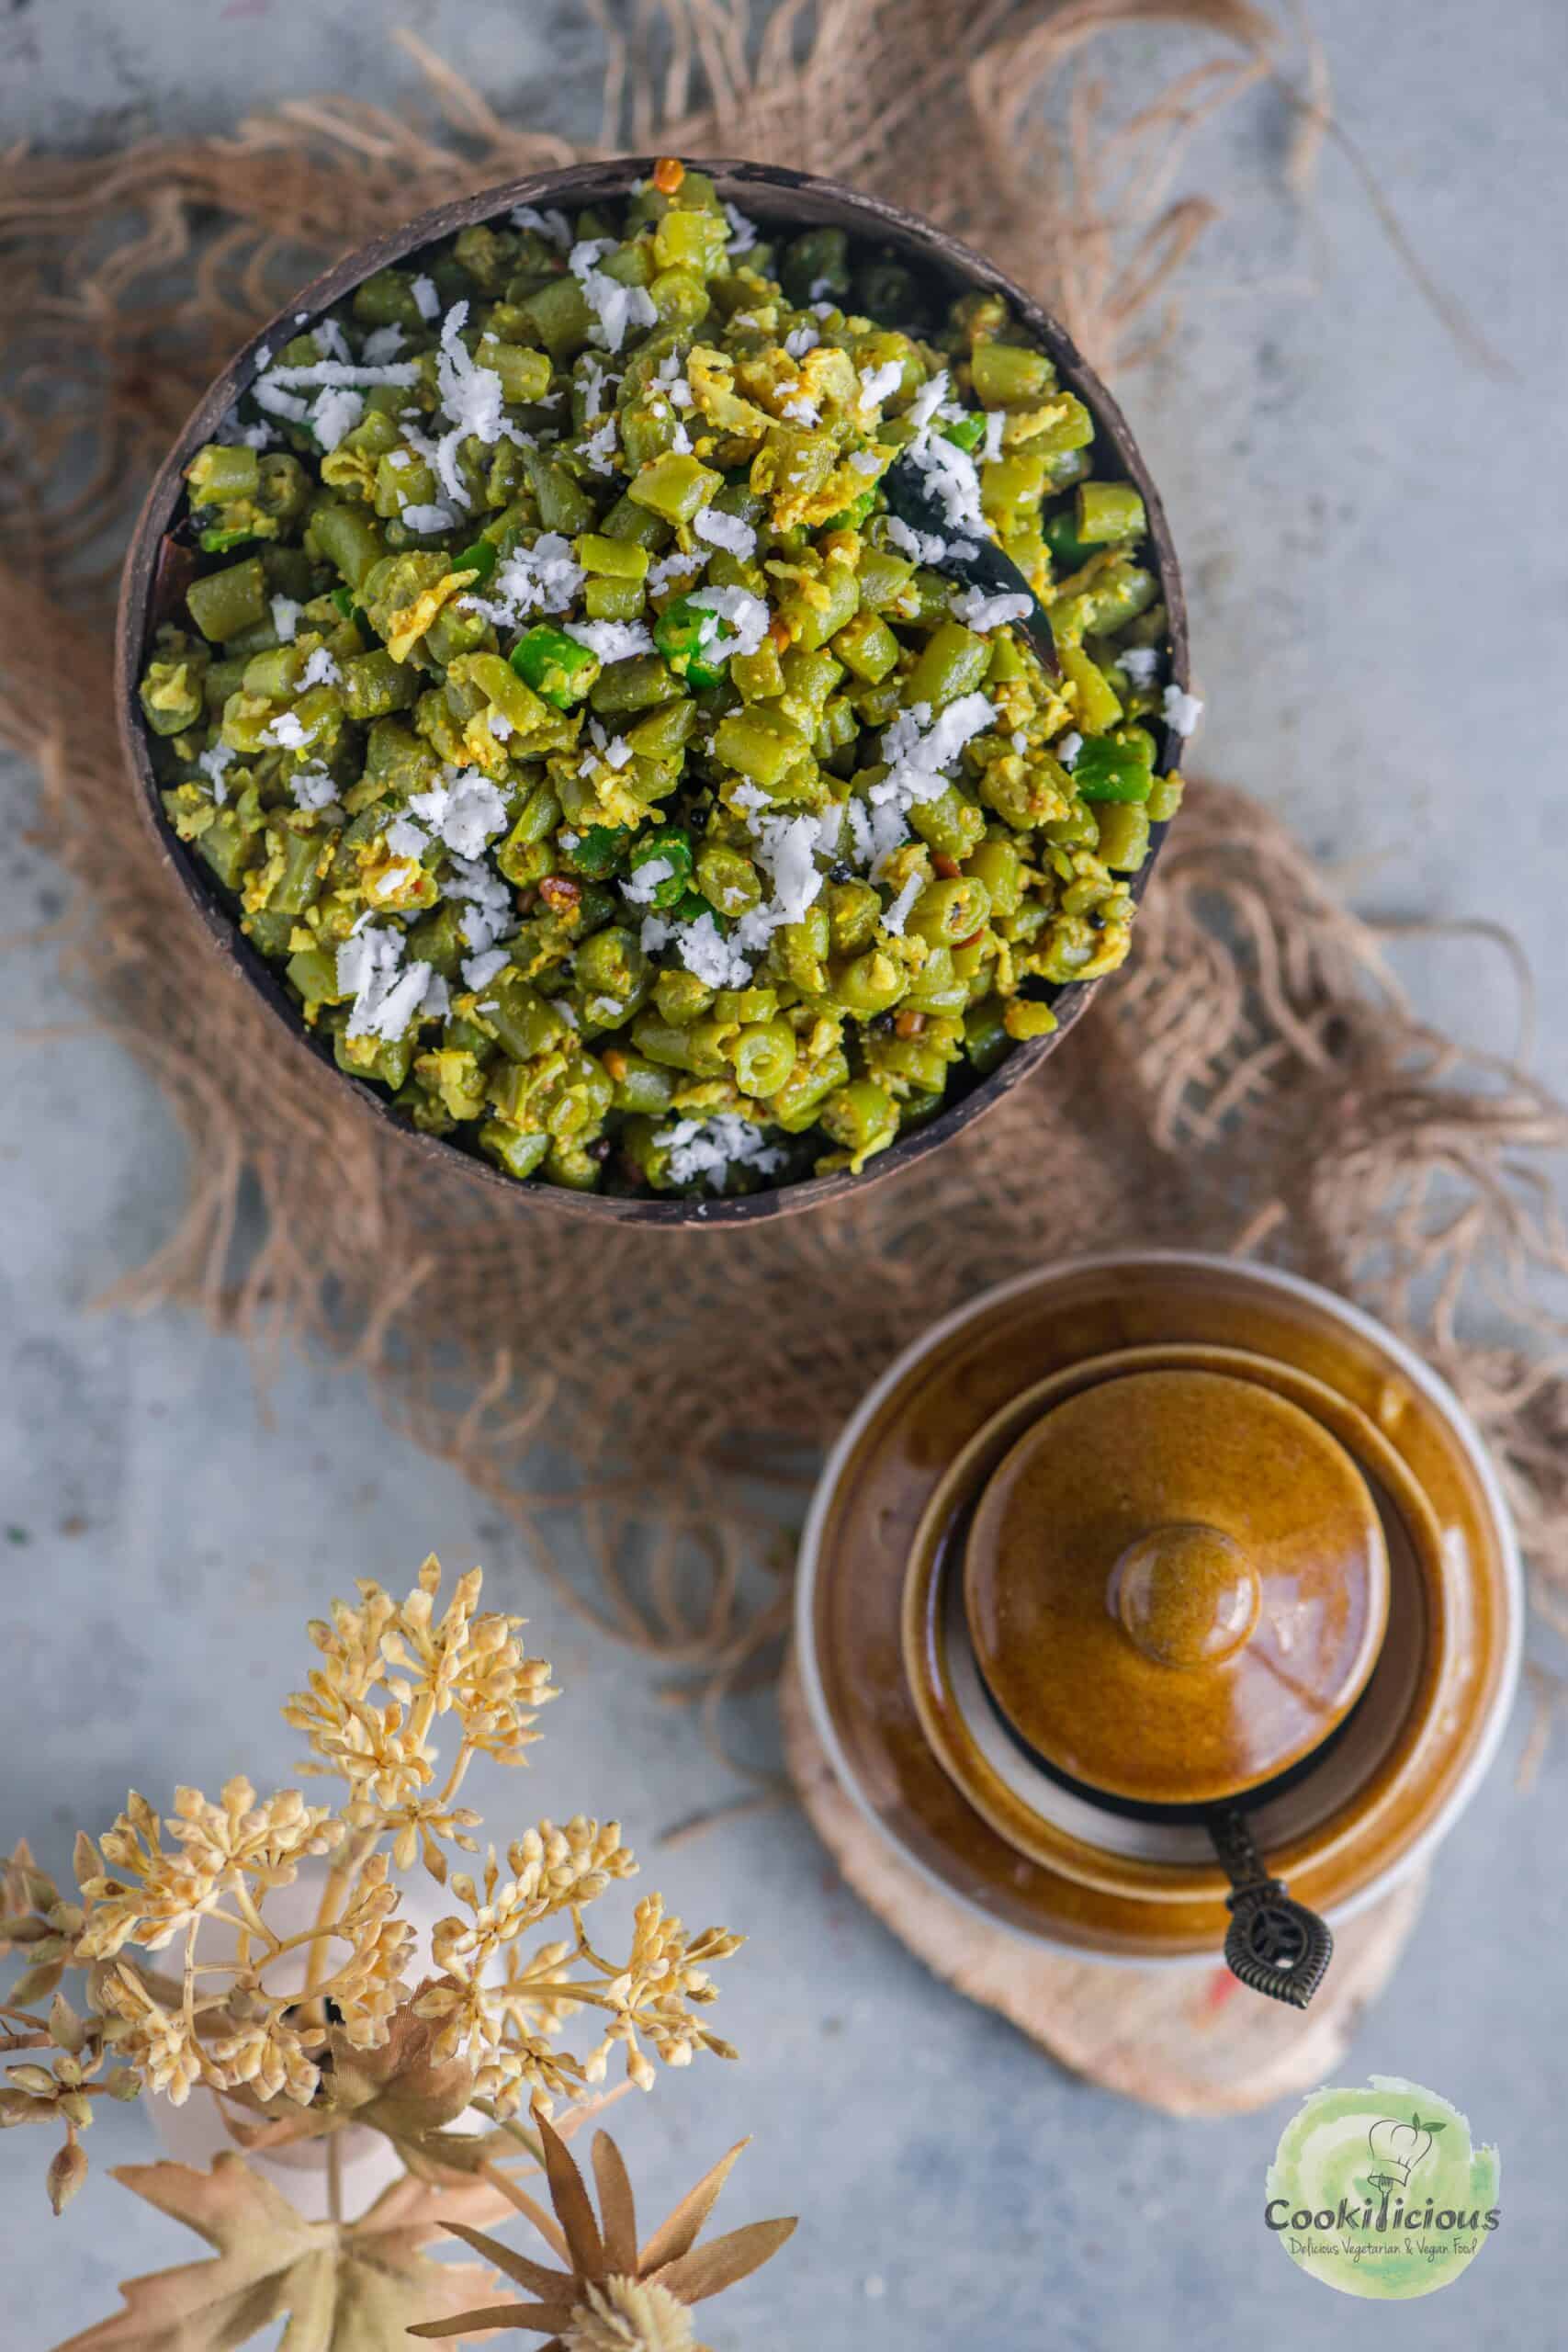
1254, 1081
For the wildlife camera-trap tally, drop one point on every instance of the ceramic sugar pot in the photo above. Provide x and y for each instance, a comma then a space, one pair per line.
1158, 1603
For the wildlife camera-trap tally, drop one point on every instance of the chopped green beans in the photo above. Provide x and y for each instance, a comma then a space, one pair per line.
1108, 510
610, 778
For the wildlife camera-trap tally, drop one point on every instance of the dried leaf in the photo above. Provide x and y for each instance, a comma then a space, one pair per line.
401, 2088
417, 2210
351, 2291
617, 2206
549, 2229
709, 2269
679, 2231
574, 2206
534, 2316
557, 2286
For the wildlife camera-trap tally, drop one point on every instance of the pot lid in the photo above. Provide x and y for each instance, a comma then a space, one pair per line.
1176, 1586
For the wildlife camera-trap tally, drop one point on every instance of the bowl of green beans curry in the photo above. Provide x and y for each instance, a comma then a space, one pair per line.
539, 698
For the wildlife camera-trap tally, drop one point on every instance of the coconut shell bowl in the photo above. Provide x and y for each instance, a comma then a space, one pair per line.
162, 560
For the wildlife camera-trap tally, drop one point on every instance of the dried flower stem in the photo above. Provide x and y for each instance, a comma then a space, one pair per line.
358, 2045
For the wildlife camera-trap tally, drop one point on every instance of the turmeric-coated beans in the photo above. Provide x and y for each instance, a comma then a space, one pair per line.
612, 778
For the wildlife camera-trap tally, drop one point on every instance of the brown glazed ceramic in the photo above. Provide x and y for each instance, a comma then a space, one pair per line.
159, 568
1077, 1490
1176, 1586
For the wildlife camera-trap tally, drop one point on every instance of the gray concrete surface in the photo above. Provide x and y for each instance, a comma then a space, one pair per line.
1373, 535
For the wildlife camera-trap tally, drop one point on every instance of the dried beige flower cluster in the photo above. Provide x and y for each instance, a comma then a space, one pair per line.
320, 2026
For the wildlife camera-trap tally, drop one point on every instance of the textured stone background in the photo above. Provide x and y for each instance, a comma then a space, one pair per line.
1372, 531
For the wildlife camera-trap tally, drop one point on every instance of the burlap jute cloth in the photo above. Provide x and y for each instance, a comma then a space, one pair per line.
645, 1407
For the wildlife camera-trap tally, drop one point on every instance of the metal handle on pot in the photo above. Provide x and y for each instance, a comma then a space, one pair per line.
1273, 1944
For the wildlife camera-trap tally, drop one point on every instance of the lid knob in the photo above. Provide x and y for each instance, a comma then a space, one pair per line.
1186, 1594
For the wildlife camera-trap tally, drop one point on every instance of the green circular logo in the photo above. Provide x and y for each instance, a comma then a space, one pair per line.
1379, 2192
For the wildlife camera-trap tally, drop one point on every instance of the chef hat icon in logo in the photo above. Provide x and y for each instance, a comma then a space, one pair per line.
1399, 2147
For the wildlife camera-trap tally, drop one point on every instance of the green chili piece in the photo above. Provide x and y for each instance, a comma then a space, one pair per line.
1059, 530
670, 846
599, 852
681, 632
851, 517
480, 558
1111, 768
554, 664
967, 432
